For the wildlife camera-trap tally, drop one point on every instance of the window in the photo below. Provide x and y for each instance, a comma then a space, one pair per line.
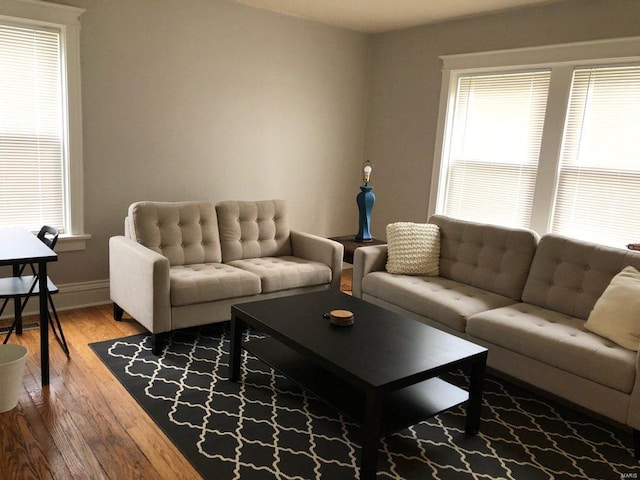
495, 144
544, 138
31, 129
40, 118
598, 190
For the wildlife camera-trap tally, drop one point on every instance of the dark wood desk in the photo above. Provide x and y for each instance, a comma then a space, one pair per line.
350, 244
17, 247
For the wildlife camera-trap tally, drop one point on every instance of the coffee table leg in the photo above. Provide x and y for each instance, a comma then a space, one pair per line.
371, 436
474, 405
237, 327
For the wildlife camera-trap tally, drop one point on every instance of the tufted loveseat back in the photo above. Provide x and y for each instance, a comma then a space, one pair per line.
569, 275
253, 229
184, 232
490, 257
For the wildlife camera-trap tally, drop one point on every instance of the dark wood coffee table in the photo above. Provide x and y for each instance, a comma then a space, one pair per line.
382, 372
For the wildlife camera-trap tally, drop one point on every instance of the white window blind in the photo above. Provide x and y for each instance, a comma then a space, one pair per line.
494, 147
31, 128
598, 191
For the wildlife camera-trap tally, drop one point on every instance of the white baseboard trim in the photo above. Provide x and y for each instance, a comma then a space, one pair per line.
70, 296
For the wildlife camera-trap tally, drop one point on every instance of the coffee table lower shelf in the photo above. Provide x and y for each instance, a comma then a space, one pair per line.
401, 408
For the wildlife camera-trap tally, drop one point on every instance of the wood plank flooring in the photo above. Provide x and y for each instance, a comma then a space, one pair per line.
85, 425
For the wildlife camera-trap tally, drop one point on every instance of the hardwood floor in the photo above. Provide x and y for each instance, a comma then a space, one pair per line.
85, 424
346, 281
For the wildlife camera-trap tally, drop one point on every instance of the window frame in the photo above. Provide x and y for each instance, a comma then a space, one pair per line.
66, 20
562, 60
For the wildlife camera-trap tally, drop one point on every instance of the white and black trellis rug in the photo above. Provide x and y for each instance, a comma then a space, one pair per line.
266, 427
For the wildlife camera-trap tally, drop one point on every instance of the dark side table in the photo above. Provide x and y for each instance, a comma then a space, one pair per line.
350, 244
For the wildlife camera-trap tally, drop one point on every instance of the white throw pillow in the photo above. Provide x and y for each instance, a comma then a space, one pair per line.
413, 248
616, 314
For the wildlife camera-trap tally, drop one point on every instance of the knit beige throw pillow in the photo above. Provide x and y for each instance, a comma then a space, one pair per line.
413, 248
616, 314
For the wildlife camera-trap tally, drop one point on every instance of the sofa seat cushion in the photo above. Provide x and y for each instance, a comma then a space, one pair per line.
558, 340
440, 299
284, 273
208, 282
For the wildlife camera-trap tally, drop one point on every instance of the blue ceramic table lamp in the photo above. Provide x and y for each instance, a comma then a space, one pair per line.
365, 200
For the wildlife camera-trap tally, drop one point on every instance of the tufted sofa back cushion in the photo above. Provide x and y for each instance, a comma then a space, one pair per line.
490, 257
184, 232
253, 229
569, 275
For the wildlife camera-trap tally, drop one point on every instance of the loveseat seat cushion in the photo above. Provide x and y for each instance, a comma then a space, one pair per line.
440, 299
558, 340
490, 257
184, 232
286, 272
208, 282
253, 229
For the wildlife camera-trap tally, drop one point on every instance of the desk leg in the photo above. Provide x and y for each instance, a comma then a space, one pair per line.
17, 304
371, 436
44, 323
235, 347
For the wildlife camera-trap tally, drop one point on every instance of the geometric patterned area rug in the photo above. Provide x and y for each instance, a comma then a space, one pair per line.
266, 427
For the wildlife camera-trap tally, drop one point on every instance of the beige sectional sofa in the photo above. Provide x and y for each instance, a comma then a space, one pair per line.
181, 264
525, 298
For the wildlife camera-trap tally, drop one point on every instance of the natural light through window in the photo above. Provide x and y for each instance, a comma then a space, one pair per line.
494, 146
599, 182
41, 171
32, 149
546, 138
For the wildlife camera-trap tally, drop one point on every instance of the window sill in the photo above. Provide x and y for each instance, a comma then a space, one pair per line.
68, 243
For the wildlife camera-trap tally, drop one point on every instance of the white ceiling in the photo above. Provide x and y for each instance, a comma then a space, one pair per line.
375, 16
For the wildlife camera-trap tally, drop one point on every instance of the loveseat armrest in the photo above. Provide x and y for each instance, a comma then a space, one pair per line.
139, 283
319, 249
367, 260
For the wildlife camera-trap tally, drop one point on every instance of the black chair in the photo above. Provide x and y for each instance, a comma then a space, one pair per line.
23, 287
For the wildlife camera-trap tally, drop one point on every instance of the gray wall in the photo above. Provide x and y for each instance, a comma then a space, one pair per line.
405, 82
213, 100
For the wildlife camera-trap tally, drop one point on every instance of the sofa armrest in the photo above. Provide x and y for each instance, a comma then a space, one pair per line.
633, 416
367, 260
139, 283
319, 249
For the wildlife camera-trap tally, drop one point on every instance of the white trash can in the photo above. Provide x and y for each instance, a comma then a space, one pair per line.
12, 360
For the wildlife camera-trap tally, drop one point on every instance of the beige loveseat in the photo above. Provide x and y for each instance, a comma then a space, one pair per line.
184, 264
526, 299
